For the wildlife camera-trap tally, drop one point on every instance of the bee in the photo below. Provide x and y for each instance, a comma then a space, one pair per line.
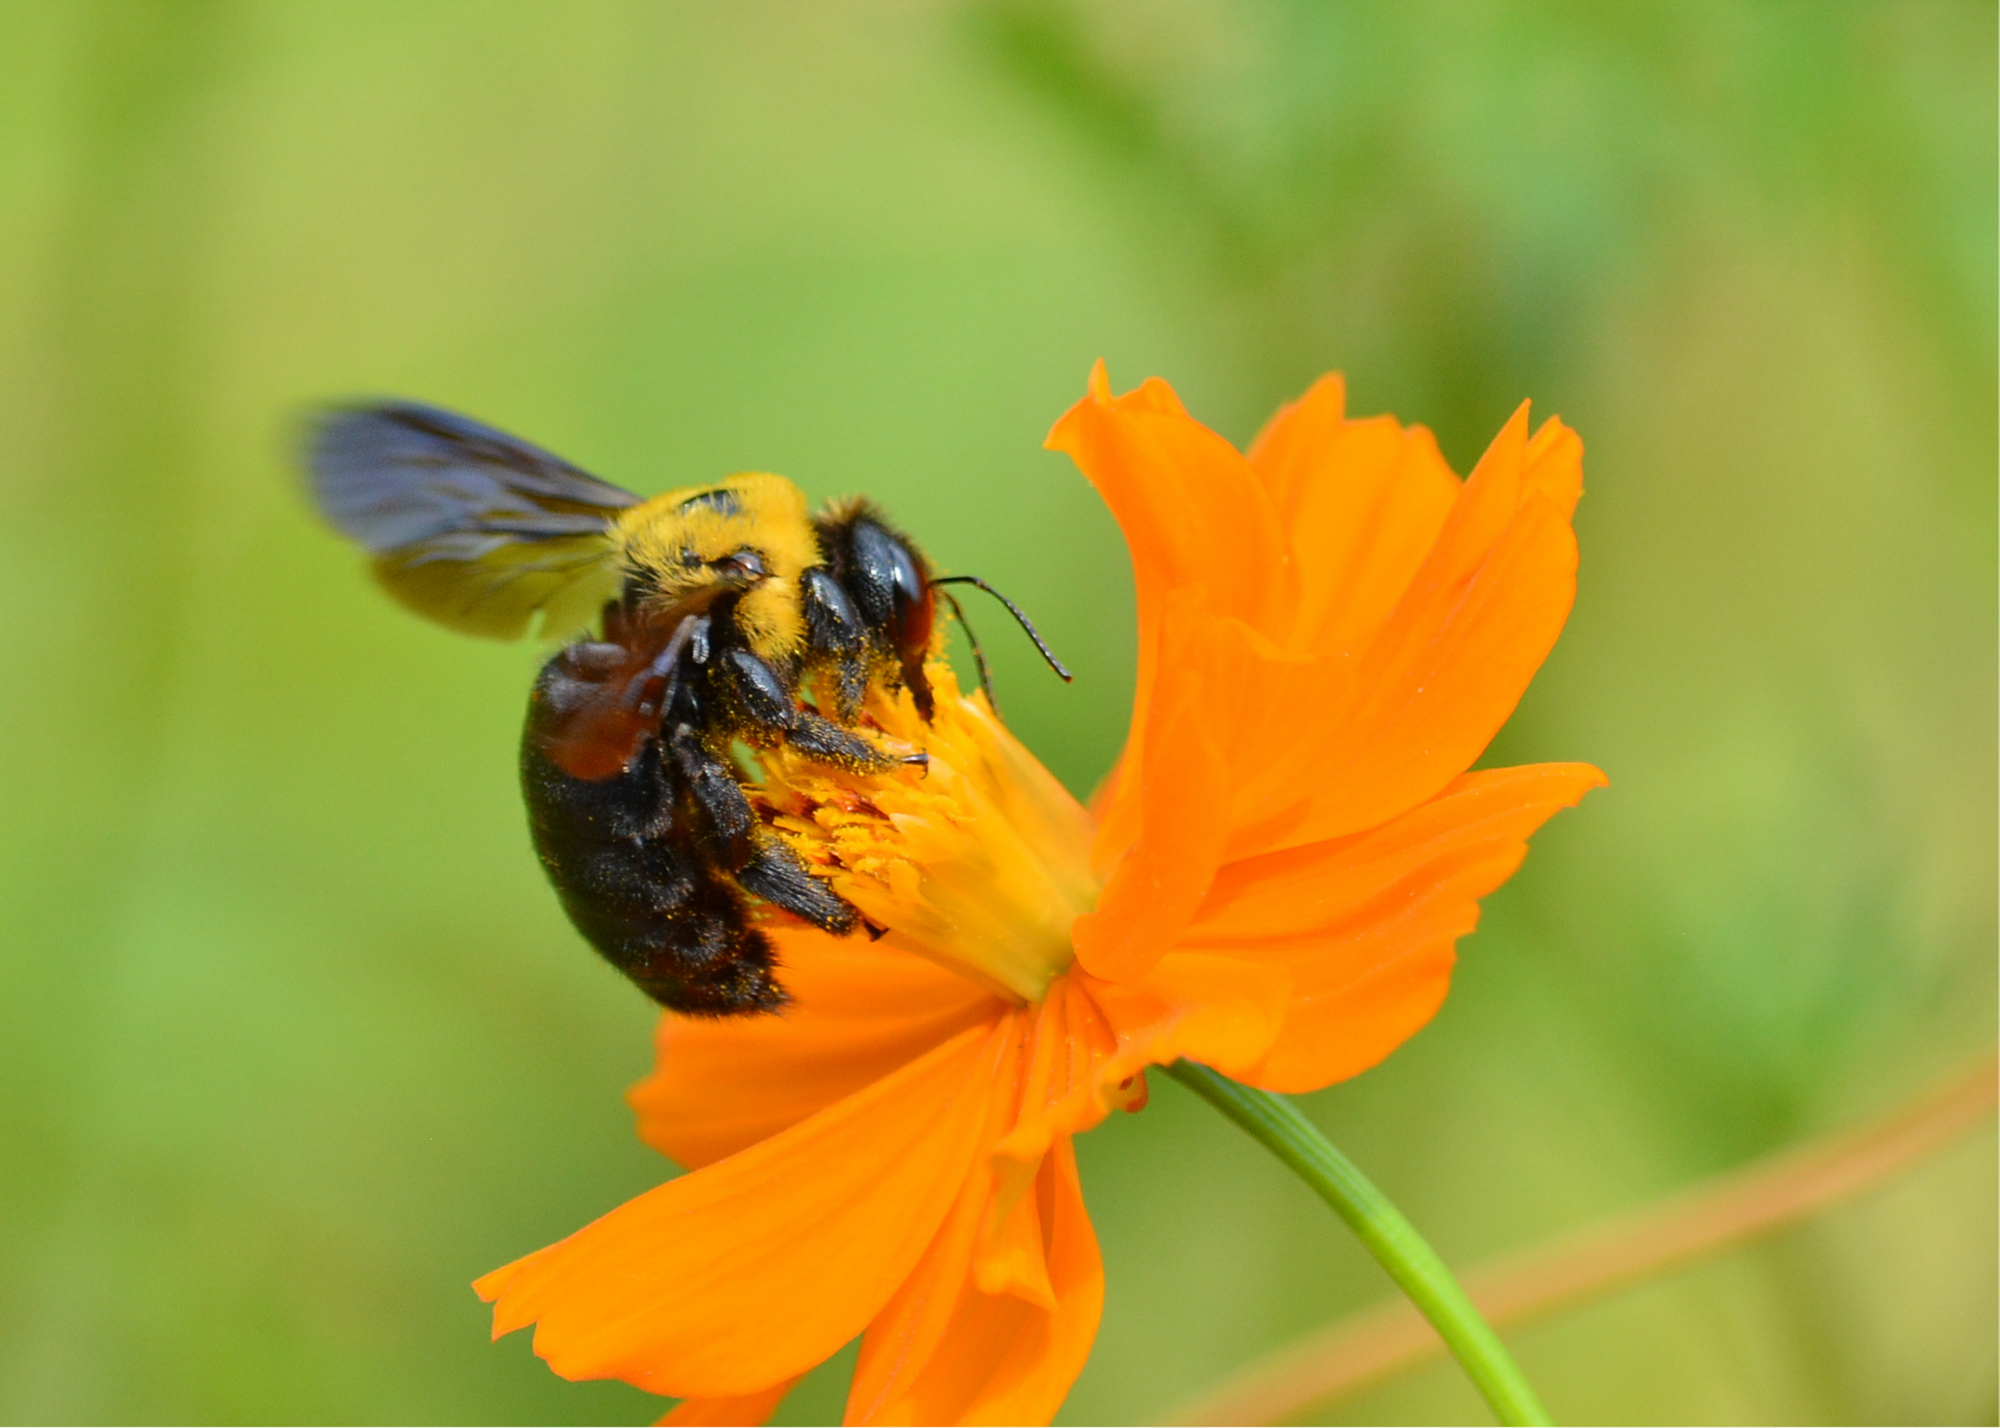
715, 607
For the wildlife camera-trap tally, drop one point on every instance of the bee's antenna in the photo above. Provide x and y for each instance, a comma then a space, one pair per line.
978, 655
1012, 609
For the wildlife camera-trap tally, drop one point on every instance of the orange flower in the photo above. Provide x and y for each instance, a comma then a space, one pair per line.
1331, 629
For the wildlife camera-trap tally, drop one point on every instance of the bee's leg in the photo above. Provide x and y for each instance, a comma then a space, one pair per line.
760, 698
777, 874
853, 682
834, 632
713, 786
826, 741
760, 863
756, 694
832, 626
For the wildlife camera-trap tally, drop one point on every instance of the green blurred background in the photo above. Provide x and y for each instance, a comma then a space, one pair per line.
293, 1039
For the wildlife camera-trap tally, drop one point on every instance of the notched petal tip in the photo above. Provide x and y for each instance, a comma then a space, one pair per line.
1066, 434
1553, 465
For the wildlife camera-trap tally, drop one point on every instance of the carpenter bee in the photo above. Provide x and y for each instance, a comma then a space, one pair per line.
716, 608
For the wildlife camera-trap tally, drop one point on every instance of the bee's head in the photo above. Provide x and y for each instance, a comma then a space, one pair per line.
745, 536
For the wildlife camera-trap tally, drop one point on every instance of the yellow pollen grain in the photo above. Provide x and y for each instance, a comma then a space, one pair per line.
979, 862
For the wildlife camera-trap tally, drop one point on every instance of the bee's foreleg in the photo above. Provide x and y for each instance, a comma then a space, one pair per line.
758, 696
712, 784
835, 637
826, 741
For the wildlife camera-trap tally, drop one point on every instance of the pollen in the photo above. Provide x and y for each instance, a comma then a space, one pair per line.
672, 537
977, 859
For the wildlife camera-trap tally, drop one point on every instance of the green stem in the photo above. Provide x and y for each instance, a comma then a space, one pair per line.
1379, 1225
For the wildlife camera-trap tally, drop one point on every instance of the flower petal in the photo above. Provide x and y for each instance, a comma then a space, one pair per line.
1179, 788
1062, 1091
901, 1340
1343, 1025
1552, 465
1011, 1258
752, 1270
1222, 1011
1289, 453
749, 1410
1363, 502
1225, 1011
1366, 923
945, 1352
1262, 702
1452, 660
1193, 511
1191, 507
858, 1012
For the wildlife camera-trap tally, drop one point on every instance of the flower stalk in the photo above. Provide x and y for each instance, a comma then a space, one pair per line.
1284, 1130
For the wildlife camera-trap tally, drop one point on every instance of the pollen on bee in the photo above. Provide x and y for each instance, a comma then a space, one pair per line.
971, 860
678, 539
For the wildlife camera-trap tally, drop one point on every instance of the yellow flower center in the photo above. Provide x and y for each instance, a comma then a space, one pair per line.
979, 861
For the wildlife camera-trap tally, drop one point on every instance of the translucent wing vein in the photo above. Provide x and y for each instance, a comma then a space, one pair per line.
469, 526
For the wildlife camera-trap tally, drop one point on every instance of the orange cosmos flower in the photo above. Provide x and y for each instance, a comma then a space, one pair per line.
1331, 629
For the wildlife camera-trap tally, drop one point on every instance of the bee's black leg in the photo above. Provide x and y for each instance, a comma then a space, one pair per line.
760, 863
834, 632
853, 683
832, 626
826, 741
778, 875
712, 784
758, 695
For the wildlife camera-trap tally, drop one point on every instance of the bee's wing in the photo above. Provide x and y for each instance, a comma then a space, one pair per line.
468, 526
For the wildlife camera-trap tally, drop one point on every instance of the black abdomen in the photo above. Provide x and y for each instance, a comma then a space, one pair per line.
634, 886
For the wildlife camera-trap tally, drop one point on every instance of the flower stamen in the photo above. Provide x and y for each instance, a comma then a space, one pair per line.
978, 860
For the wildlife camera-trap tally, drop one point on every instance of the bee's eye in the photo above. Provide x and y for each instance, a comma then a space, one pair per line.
746, 562
690, 559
